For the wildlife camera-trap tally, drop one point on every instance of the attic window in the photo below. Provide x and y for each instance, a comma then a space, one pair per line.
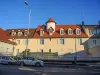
78, 31
70, 31
13, 33
41, 32
25, 33
19, 33
62, 31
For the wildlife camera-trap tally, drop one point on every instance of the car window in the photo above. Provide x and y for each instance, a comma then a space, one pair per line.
25, 58
3, 57
29, 58
7, 58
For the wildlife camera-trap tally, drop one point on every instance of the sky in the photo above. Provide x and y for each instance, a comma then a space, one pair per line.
14, 13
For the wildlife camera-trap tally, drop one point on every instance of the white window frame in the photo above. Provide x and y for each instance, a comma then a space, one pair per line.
19, 33
62, 32
42, 41
41, 32
13, 33
25, 33
78, 31
98, 31
70, 31
79, 41
61, 41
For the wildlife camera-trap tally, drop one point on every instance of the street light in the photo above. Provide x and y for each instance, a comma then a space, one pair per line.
26, 3
75, 58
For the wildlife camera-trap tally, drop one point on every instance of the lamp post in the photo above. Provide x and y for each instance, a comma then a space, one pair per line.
26, 3
75, 58
13, 46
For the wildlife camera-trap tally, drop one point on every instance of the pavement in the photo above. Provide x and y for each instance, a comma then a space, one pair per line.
48, 70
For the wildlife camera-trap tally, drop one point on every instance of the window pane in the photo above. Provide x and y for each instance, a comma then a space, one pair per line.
61, 41
41, 32
41, 41
98, 31
62, 31
19, 33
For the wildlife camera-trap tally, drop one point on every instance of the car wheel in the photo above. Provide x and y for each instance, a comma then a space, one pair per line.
22, 63
37, 64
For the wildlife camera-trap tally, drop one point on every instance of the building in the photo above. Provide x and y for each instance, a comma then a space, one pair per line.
6, 46
68, 40
92, 45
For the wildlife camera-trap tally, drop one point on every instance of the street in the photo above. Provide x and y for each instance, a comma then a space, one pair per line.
47, 70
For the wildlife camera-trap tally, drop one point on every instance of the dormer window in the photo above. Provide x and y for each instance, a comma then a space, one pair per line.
78, 31
19, 33
41, 32
62, 31
25, 33
70, 31
13, 33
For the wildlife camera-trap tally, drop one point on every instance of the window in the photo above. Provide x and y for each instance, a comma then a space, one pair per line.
61, 41
26, 42
78, 31
98, 31
80, 41
13, 33
70, 31
41, 41
19, 33
90, 32
25, 33
41, 32
18, 41
49, 50
62, 31
94, 42
93, 31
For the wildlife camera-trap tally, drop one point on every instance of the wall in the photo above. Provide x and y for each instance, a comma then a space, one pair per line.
54, 45
6, 49
91, 44
95, 51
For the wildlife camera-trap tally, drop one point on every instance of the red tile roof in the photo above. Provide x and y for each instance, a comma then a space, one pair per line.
4, 38
31, 30
50, 20
56, 34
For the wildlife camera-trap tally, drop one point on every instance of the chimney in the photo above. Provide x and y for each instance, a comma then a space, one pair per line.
82, 22
99, 22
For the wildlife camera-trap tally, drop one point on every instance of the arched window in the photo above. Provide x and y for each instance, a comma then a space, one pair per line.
78, 31
62, 31
70, 31
41, 32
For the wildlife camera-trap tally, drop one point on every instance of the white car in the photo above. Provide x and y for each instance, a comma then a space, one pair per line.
7, 60
31, 61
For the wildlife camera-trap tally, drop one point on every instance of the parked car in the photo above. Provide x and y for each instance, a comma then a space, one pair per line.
31, 61
7, 60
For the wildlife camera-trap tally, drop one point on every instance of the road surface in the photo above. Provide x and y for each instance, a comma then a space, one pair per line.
47, 70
